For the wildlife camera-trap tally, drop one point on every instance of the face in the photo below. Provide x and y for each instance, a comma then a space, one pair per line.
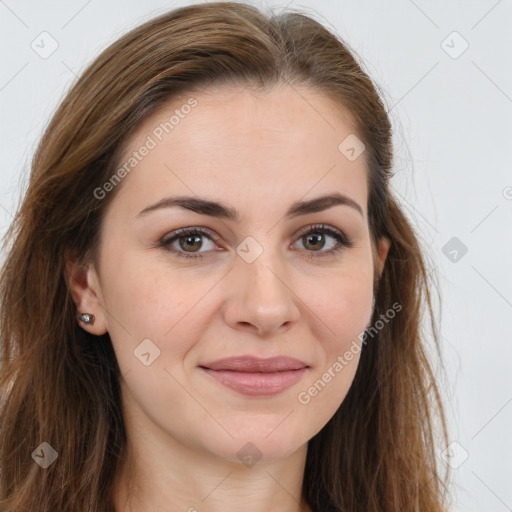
274, 279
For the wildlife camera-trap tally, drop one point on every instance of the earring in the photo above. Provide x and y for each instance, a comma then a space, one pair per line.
86, 318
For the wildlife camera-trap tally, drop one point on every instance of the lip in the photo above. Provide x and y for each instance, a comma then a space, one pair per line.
255, 364
255, 376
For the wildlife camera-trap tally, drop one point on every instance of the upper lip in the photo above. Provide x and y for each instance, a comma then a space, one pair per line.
256, 364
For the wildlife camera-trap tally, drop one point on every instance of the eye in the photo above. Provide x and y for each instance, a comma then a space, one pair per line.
316, 236
187, 238
189, 241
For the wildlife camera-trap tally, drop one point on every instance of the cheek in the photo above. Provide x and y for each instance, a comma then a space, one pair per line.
344, 309
343, 306
143, 302
350, 316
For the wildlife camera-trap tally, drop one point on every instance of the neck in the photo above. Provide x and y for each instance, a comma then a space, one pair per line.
220, 487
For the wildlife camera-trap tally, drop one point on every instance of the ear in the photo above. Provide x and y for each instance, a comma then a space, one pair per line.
382, 251
84, 285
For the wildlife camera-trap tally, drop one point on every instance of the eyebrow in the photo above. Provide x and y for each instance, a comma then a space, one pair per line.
219, 210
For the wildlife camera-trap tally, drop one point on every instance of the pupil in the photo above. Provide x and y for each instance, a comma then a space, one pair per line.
191, 240
314, 238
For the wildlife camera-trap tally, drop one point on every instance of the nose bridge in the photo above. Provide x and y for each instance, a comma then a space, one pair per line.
263, 295
262, 266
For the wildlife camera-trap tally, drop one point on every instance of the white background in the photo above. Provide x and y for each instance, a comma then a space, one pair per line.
453, 134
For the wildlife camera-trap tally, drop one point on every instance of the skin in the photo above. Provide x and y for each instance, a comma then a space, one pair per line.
258, 152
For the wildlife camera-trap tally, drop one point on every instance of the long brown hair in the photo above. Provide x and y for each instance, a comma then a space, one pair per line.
60, 384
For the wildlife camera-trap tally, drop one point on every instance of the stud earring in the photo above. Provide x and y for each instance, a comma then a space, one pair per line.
86, 318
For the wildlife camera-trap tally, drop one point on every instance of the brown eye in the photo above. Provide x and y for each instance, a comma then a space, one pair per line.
317, 237
189, 242
192, 242
314, 241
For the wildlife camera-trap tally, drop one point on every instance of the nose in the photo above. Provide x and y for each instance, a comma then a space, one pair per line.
261, 298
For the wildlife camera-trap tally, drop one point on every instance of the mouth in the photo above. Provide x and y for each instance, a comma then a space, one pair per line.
254, 376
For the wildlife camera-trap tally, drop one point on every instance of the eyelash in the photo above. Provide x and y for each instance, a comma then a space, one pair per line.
343, 241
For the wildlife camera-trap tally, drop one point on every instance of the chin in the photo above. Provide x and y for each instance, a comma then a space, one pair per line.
253, 440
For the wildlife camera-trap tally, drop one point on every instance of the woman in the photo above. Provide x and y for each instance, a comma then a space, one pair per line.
211, 299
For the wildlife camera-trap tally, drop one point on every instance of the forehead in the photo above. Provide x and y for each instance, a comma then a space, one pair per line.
249, 145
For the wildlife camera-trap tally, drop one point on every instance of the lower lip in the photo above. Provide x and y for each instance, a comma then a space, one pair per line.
257, 384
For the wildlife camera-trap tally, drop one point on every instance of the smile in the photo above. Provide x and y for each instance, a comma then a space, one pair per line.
257, 383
